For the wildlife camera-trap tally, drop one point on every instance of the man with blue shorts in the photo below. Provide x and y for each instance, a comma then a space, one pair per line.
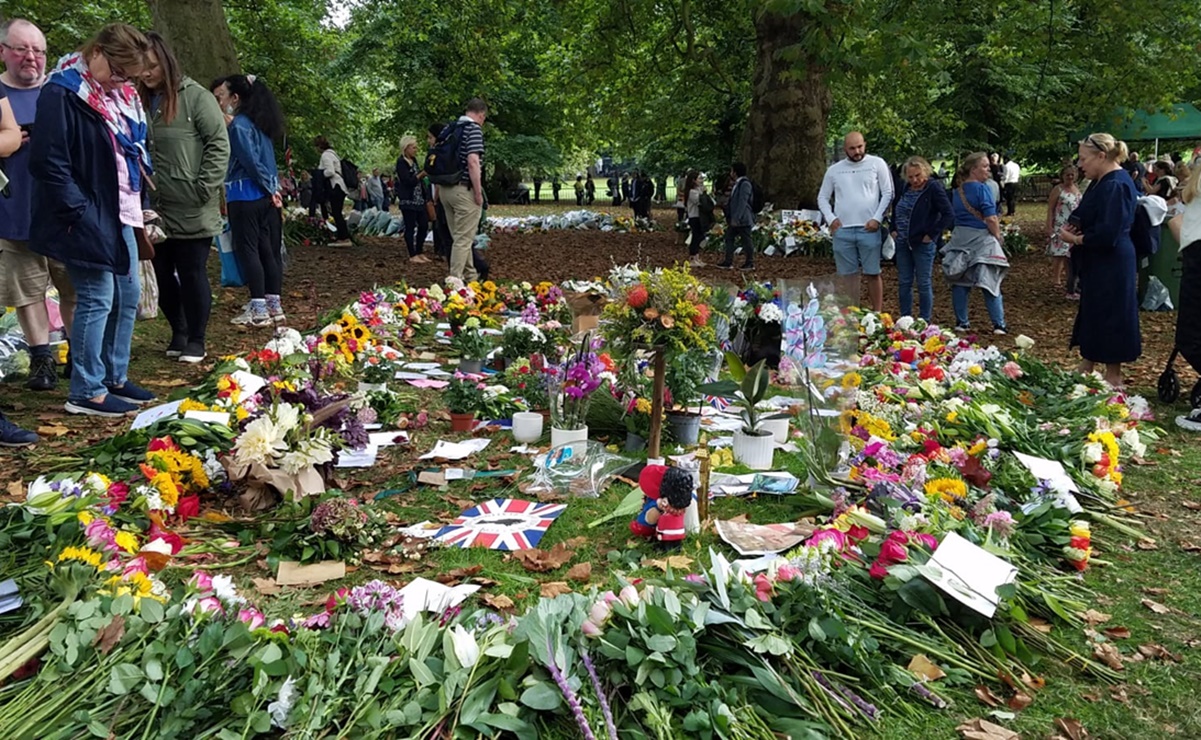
861, 188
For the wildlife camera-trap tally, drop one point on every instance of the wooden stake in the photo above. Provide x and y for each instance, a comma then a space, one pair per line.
660, 366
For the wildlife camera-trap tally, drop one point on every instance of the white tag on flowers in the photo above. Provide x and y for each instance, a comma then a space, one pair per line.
969, 574
456, 450
208, 417
1051, 471
149, 416
248, 382
363, 458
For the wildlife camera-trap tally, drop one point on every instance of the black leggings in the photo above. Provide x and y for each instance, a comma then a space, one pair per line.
1188, 313
184, 294
698, 236
256, 229
442, 238
417, 224
337, 201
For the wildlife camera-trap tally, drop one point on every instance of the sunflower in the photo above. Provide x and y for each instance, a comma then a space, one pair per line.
948, 489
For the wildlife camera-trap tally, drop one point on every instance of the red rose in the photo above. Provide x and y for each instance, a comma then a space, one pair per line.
878, 571
892, 552
188, 507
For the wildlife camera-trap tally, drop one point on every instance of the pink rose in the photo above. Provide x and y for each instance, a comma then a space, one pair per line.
207, 606
1012, 370
788, 572
252, 618
201, 582
763, 587
878, 571
926, 540
892, 552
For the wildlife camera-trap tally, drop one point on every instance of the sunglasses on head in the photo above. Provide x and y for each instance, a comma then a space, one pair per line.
1089, 141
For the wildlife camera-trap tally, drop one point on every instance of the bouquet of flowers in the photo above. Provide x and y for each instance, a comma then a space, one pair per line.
278, 451
1015, 241
574, 382
520, 338
529, 378
666, 308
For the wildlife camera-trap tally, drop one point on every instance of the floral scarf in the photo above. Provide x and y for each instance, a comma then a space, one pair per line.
72, 73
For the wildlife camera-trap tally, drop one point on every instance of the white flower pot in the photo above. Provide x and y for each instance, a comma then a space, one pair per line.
753, 451
777, 427
527, 426
568, 436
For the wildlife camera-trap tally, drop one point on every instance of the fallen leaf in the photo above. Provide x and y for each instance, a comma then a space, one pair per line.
1158, 651
555, 588
1092, 616
1019, 701
1090, 697
1155, 606
1195, 506
394, 569
985, 695
109, 635
1072, 728
16, 489
982, 729
1118, 694
921, 667
540, 561
581, 572
1155, 591
1037, 683
452, 577
1190, 547
499, 602
216, 517
266, 586
1041, 625
52, 430
575, 542
1109, 655
1117, 633
675, 562
1147, 545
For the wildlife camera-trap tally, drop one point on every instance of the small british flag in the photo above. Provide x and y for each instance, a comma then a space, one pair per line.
717, 402
501, 524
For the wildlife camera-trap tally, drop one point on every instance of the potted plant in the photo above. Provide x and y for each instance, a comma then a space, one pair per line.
685, 372
572, 386
638, 423
753, 445
527, 377
464, 398
374, 373
473, 347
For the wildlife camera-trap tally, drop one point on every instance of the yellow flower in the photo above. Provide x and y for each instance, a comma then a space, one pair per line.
933, 344
642, 406
851, 380
85, 518
167, 488
952, 417
977, 448
948, 489
190, 405
127, 541
84, 555
975, 370
1079, 528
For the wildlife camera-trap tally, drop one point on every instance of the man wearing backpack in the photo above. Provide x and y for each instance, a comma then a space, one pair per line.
464, 199
740, 217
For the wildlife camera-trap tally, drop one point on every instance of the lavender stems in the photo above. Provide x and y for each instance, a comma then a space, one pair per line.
600, 694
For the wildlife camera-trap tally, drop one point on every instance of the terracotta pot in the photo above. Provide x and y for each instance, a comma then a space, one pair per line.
462, 422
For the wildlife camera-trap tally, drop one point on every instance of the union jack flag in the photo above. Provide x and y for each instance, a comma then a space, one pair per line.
717, 402
501, 524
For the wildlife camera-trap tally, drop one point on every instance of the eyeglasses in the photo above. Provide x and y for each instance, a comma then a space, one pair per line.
116, 74
23, 50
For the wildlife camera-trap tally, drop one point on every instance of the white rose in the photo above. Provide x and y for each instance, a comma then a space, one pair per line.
1023, 342
905, 323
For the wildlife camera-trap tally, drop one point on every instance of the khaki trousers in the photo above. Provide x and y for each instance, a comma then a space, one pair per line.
463, 217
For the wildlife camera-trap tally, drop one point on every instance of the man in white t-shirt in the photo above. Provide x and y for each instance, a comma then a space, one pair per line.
1009, 185
861, 187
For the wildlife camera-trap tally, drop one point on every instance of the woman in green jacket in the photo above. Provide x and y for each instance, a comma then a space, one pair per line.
189, 147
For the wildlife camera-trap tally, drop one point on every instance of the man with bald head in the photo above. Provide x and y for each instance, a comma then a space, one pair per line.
25, 276
861, 188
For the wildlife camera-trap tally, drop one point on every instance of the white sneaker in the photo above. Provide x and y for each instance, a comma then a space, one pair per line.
1190, 422
250, 318
698, 262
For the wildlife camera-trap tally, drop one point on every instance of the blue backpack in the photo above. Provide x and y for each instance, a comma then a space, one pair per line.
442, 163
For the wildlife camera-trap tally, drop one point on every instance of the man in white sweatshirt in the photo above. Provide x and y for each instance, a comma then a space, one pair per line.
861, 187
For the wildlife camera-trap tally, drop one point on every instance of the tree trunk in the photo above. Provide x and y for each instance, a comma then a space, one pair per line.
784, 143
198, 34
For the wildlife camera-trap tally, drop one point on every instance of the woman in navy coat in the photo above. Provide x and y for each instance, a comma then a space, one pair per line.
1106, 329
920, 214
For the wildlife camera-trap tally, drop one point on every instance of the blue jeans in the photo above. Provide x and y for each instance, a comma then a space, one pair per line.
106, 307
916, 262
959, 299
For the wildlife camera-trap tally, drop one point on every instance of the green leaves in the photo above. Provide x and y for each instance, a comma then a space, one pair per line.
124, 678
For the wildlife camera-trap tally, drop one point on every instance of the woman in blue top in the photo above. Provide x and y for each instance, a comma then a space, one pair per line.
1106, 329
974, 257
920, 215
252, 193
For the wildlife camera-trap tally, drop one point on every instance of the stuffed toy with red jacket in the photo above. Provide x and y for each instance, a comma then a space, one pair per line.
675, 496
649, 481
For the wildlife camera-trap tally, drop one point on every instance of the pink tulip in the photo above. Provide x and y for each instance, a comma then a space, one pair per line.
629, 596
609, 597
252, 618
1012, 370
589, 629
787, 573
599, 612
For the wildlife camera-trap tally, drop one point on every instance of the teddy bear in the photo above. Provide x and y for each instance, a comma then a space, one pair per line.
675, 496
649, 480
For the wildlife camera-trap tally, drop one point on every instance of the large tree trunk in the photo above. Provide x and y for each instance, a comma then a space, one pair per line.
198, 34
784, 143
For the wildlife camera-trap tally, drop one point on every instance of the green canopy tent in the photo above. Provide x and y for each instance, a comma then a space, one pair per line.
1179, 121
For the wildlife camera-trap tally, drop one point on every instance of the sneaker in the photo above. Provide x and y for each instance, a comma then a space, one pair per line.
747, 266
697, 262
278, 318
12, 435
962, 328
111, 407
1000, 331
725, 265
193, 353
1190, 422
251, 318
43, 374
131, 393
177, 345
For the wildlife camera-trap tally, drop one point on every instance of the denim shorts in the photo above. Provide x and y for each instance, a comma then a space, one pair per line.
857, 250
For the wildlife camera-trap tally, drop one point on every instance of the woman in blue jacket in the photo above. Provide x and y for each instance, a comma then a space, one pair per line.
252, 196
89, 163
921, 213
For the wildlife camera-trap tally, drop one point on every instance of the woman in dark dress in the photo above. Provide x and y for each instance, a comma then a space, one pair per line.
1106, 329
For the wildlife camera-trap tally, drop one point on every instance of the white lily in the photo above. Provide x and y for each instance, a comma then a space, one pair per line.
467, 650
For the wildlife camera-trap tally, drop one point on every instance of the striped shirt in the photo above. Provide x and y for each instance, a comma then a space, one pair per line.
472, 142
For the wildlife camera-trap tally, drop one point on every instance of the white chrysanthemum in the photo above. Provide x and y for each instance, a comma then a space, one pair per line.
770, 313
308, 453
282, 706
224, 589
262, 441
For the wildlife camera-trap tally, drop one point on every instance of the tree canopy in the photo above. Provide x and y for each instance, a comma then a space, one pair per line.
671, 84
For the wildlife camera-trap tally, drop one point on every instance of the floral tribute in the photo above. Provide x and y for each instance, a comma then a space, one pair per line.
667, 307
